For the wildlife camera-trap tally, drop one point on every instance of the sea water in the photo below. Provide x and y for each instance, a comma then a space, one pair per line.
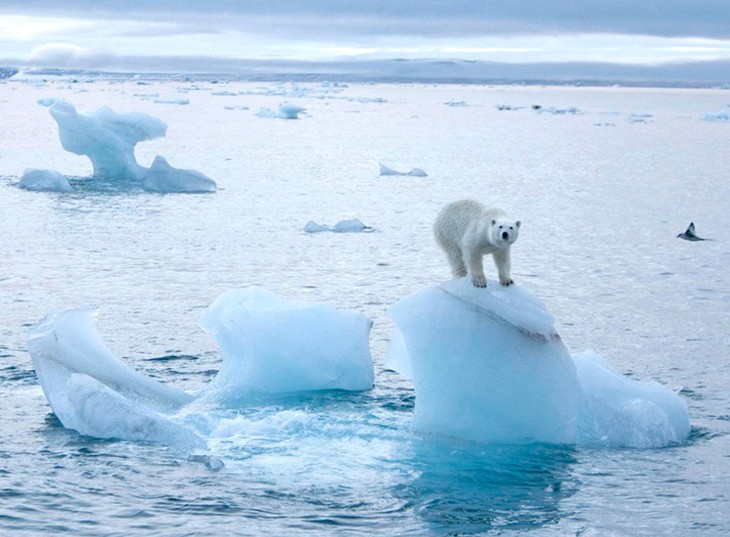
603, 180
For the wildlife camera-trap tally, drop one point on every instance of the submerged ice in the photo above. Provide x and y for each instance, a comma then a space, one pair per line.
487, 365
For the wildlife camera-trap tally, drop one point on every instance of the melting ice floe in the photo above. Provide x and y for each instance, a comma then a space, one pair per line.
94, 393
286, 111
415, 172
44, 180
487, 365
269, 346
161, 177
343, 226
719, 116
109, 139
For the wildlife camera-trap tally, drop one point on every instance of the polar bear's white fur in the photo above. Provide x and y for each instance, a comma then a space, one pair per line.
467, 231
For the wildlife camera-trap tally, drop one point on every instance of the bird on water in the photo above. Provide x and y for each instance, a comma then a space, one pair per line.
689, 234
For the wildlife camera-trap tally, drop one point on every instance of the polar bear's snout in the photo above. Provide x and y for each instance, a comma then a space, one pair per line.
505, 235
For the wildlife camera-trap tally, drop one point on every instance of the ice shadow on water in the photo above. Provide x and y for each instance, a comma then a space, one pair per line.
470, 488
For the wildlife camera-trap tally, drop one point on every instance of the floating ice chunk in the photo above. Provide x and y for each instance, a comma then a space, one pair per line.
286, 111
273, 346
571, 110
351, 226
181, 102
47, 101
722, 115
314, 227
107, 138
161, 177
415, 172
622, 412
508, 107
487, 365
290, 111
93, 392
484, 377
343, 226
44, 180
640, 117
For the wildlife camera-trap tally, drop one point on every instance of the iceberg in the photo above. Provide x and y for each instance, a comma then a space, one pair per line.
91, 391
44, 180
107, 138
272, 346
343, 226
487, 365
161, 177
415, 172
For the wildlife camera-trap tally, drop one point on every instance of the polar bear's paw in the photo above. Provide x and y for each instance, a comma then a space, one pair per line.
479, 280
506, 281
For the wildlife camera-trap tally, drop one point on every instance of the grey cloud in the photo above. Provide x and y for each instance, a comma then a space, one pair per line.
358, 18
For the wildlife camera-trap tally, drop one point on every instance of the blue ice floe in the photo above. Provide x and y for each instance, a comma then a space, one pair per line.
109, 140
353, 225
487, 365
269, 346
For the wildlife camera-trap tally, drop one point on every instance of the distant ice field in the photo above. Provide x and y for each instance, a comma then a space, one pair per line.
602, 179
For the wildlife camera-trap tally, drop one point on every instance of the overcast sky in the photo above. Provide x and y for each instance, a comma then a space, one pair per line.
100, 33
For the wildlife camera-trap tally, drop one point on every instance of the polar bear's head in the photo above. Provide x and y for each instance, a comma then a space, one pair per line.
504, 232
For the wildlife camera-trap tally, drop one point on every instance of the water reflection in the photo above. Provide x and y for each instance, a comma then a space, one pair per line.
470, 489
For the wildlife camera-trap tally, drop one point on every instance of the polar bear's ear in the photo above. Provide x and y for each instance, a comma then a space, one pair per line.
494, 222
518, 223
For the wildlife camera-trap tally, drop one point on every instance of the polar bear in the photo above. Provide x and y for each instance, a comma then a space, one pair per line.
467, 231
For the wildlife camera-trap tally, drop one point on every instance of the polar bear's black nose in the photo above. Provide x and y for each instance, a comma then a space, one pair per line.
505, 235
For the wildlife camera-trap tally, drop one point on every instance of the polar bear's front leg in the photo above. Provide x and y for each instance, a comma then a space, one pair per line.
476, 269
503, 260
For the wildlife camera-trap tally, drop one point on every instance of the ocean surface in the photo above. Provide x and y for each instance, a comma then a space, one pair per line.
603, 179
